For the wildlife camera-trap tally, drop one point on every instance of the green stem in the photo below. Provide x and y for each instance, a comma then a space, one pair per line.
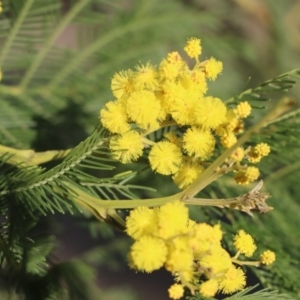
245, 263
200, 183
30, 157
211, 202
48, 44
14, 31
103, 208
81, 196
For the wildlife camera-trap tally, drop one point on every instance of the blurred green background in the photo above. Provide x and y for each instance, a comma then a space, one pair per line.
57, 63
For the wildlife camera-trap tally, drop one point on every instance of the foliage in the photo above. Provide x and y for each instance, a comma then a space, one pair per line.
50, 96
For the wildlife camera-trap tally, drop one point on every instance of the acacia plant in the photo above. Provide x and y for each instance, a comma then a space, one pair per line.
203, 154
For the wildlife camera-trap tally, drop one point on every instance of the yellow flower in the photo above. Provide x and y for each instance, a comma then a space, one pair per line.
194, 80
243, 109
179, 260
193, 47
217, 261
122, 84
127, 147
244, 243
212, 68
233, 280
141, 221
267, 257
253, 157
165, 158
175, 58
172, 219
188, 172
183, 108
176, 291
262, 149
258, 152
198, 78
198, 142
168, 94
148, 253
168, 71
145, 76
180, 257
113, 117
210, 112
204, 236
247, 175
144, 109
185, 276
228, 140
238, 154
209, 288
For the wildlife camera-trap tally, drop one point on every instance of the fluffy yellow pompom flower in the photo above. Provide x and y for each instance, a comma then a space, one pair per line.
172, 219
146, 76
127, 147
246, 176
175, 58
244, 243
122, 84
209, 288
186, 80
141, 221
187, 173
114, 117
198, 142
206, 232
183, 107
234, 280
165, 158
168, 71
199, 81
176, 291
148, 253
179, 260
218, 260
193, 47
210, 112
144, 109
243, 109
213, 68
168, 94
267, 257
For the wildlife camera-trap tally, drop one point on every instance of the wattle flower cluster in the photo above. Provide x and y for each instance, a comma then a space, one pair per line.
172, 95
192, 252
